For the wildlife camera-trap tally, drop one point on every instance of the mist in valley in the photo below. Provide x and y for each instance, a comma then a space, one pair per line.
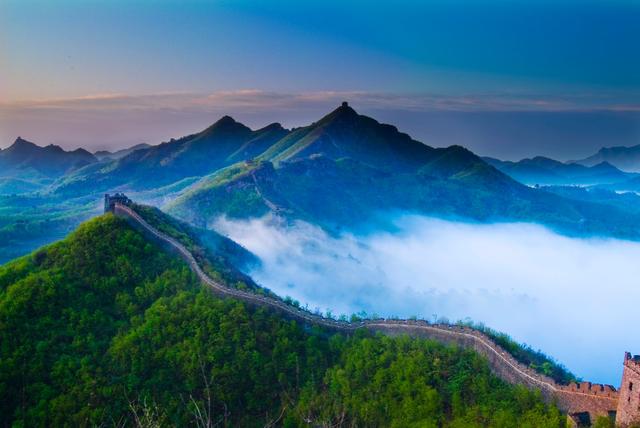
575, 299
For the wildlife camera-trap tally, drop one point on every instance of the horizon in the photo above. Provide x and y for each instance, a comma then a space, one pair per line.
413, 126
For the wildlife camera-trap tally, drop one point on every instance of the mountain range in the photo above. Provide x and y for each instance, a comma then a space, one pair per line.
545, 171
24, 160
342, 171
347, 169
624, 158
221, 144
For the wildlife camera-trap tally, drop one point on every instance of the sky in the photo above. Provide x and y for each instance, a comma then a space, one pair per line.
522, 279
507, 78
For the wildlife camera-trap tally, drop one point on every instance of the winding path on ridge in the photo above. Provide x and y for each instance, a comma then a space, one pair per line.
585, 397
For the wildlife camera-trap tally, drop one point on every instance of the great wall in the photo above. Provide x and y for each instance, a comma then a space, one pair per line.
583, 402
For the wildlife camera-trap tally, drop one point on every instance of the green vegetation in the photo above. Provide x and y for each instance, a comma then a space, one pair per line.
347, 193
346, 169
219, 256
104, 328
30, 221
383, 381
528, 356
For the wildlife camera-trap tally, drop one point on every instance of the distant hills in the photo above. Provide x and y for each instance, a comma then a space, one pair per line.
544, 171
107, 155
26, 159
223, 143
624, 158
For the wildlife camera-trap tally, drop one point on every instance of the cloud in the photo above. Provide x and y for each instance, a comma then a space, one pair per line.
576, 299
568, 126
257, 98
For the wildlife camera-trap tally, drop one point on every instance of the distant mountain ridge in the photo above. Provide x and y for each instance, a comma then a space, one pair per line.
50, 161
223, 143
545, 171
103, 155
624, 158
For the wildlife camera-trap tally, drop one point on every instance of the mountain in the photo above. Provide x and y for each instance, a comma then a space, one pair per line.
223, 143
544, 171
106, 328
103, 155
24, 159
345, 133
323, 174
624, 158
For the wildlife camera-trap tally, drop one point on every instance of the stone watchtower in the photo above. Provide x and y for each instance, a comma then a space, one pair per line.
628, 411
111, 200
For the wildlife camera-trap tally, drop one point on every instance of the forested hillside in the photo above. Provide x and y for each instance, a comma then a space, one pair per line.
106, 329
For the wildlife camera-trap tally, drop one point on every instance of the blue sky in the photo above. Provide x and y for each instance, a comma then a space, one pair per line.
502, 55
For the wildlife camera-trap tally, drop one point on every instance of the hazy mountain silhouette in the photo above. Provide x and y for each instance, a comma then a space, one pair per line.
26, 159
624, 158
107, 155
221, 144
545, 171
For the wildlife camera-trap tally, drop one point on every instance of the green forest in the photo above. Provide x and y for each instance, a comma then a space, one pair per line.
105, 329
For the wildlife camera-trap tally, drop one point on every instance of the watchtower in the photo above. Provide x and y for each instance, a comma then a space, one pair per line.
111, 200
628, 411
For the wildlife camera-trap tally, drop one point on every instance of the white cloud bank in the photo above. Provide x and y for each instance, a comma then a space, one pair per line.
576, 299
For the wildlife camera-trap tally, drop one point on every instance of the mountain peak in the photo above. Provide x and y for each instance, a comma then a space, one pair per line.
226, 120
20, 145
344, 113
22, 142
345, 109
226, 124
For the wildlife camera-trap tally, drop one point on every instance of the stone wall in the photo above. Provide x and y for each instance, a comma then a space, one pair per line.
629, 401
583, 398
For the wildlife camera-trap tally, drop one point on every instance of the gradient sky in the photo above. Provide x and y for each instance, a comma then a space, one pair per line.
112, 73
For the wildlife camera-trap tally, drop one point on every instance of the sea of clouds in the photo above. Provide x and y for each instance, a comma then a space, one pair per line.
575, 299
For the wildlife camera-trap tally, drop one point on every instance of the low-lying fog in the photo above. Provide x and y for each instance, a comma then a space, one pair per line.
575, 299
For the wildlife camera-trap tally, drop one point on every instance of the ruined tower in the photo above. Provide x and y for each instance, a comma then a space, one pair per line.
628, 411
111, 200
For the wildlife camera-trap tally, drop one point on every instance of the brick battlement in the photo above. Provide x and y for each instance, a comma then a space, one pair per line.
632, 361
591, 389
110, 201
